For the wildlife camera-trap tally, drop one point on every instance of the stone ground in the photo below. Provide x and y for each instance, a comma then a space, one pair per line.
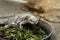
56, 27
7, 9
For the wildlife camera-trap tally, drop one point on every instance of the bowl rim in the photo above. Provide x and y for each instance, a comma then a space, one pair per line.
51, 30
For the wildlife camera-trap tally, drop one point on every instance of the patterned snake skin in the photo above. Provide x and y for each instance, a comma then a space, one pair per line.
20, 19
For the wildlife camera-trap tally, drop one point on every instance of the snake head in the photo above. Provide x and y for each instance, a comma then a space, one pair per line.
32, 19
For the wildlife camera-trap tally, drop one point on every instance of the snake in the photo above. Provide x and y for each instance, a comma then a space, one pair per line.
20, 19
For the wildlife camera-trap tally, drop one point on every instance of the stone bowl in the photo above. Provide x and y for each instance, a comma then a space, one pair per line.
46, 26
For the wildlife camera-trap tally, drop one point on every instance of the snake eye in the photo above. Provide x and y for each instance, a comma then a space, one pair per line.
31, 20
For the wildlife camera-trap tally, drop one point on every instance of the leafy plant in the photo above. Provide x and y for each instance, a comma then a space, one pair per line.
27, 33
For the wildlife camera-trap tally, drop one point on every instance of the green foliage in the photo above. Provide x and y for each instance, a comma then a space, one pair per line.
33, 33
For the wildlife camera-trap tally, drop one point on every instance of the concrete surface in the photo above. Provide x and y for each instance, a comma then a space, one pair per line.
56, 27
